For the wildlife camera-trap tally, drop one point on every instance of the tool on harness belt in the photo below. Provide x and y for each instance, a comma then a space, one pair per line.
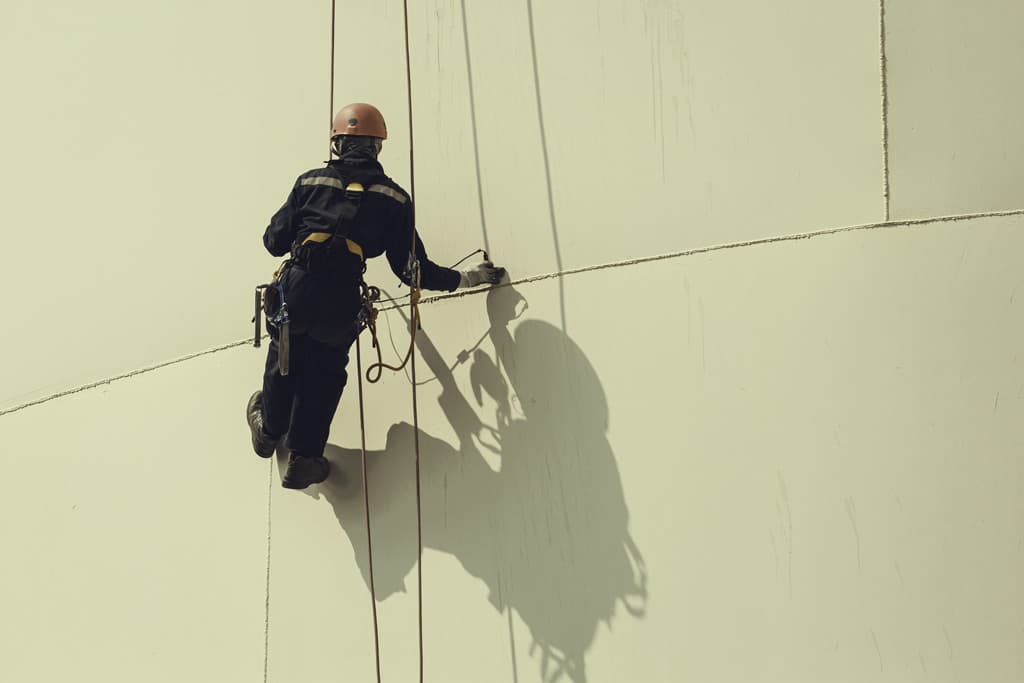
270, 298
257, 317
367, 312
284, 347
268, 303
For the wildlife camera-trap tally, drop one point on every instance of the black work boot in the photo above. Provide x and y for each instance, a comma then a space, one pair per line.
305, 471
262, 443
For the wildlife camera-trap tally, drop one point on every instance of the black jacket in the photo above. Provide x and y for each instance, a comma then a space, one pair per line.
323, 301
384, 223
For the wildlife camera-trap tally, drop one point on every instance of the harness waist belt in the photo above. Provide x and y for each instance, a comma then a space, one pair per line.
321, 237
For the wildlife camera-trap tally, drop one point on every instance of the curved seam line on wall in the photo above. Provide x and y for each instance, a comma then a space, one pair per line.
129, 375
909, 223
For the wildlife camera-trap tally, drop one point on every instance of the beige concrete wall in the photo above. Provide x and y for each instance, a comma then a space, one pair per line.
954, 106
134, 533
143, 146
793, 460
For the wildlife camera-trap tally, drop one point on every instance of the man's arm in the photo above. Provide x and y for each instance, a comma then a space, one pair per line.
432, 276
280, 234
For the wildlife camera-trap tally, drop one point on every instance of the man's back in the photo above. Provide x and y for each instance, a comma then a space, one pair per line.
383, 223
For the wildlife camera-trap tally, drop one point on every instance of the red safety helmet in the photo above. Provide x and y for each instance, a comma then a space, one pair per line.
359, 119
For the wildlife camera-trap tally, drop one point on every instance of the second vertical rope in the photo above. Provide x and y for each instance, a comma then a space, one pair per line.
362, 411
414, 320
366, 501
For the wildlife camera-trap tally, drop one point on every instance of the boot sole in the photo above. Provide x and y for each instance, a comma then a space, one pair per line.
250, 411
291, 483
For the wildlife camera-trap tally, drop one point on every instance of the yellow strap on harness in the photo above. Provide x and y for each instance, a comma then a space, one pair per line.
321, 237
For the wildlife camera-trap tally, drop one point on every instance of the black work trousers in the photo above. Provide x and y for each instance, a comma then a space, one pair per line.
303, 402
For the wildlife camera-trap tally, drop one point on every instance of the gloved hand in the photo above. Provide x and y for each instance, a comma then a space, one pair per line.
484, 274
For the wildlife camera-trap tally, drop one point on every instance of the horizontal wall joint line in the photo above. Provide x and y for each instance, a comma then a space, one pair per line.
908, 223
397, 303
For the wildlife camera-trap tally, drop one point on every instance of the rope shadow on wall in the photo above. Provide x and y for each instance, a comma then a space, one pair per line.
531, 504
542, 132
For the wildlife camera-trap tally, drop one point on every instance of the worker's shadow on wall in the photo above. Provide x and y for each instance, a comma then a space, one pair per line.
529, 500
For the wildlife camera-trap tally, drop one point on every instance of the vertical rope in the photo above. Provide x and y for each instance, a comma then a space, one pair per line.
414, 320
366, 501
884, 69
408, 90
362, 409
330, 120
419, 507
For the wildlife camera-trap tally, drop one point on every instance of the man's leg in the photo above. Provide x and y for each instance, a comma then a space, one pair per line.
320, 377
269, 409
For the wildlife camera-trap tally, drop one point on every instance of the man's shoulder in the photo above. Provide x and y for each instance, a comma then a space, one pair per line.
388, 187
320, 172
324, 175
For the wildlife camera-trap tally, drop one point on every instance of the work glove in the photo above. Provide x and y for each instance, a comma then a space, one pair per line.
484, 274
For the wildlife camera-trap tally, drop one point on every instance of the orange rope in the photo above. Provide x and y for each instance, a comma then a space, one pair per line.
375, 370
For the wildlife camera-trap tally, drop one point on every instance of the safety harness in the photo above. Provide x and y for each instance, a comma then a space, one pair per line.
270, 297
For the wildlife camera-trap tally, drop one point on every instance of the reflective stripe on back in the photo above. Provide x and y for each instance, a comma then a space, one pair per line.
340, 185
385, 190
323, 180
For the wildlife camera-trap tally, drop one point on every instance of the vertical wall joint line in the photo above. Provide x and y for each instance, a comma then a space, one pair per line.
266, 605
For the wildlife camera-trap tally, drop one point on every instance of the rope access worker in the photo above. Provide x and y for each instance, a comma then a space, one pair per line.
334, 219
